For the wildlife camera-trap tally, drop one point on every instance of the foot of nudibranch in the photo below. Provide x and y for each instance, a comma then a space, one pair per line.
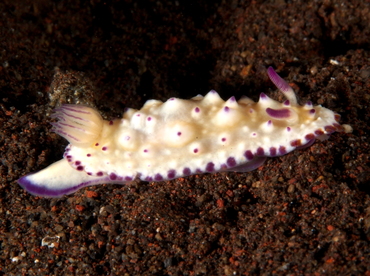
57, 180
250, 166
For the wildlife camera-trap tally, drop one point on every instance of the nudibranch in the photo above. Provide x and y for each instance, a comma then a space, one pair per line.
176, 138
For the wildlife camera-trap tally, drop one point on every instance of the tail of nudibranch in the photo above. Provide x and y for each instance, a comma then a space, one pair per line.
79, 124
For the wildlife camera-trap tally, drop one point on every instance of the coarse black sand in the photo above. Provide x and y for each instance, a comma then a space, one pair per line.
306, 213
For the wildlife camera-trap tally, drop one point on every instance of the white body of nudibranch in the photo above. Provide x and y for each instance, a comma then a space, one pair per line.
178, 138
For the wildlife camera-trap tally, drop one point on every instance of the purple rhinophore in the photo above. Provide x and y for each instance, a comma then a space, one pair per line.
249, 155
158, 177
281, 84
210, 167
171, 174
231, 162
186, 171
260, 152
278, 113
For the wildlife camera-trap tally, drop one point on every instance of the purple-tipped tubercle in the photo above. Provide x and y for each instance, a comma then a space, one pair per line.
308, 104
232, 99
263, 96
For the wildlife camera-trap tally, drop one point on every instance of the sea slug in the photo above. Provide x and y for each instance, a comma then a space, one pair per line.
167, 140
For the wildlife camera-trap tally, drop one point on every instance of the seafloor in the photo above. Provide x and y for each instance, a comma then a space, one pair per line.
306, 213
